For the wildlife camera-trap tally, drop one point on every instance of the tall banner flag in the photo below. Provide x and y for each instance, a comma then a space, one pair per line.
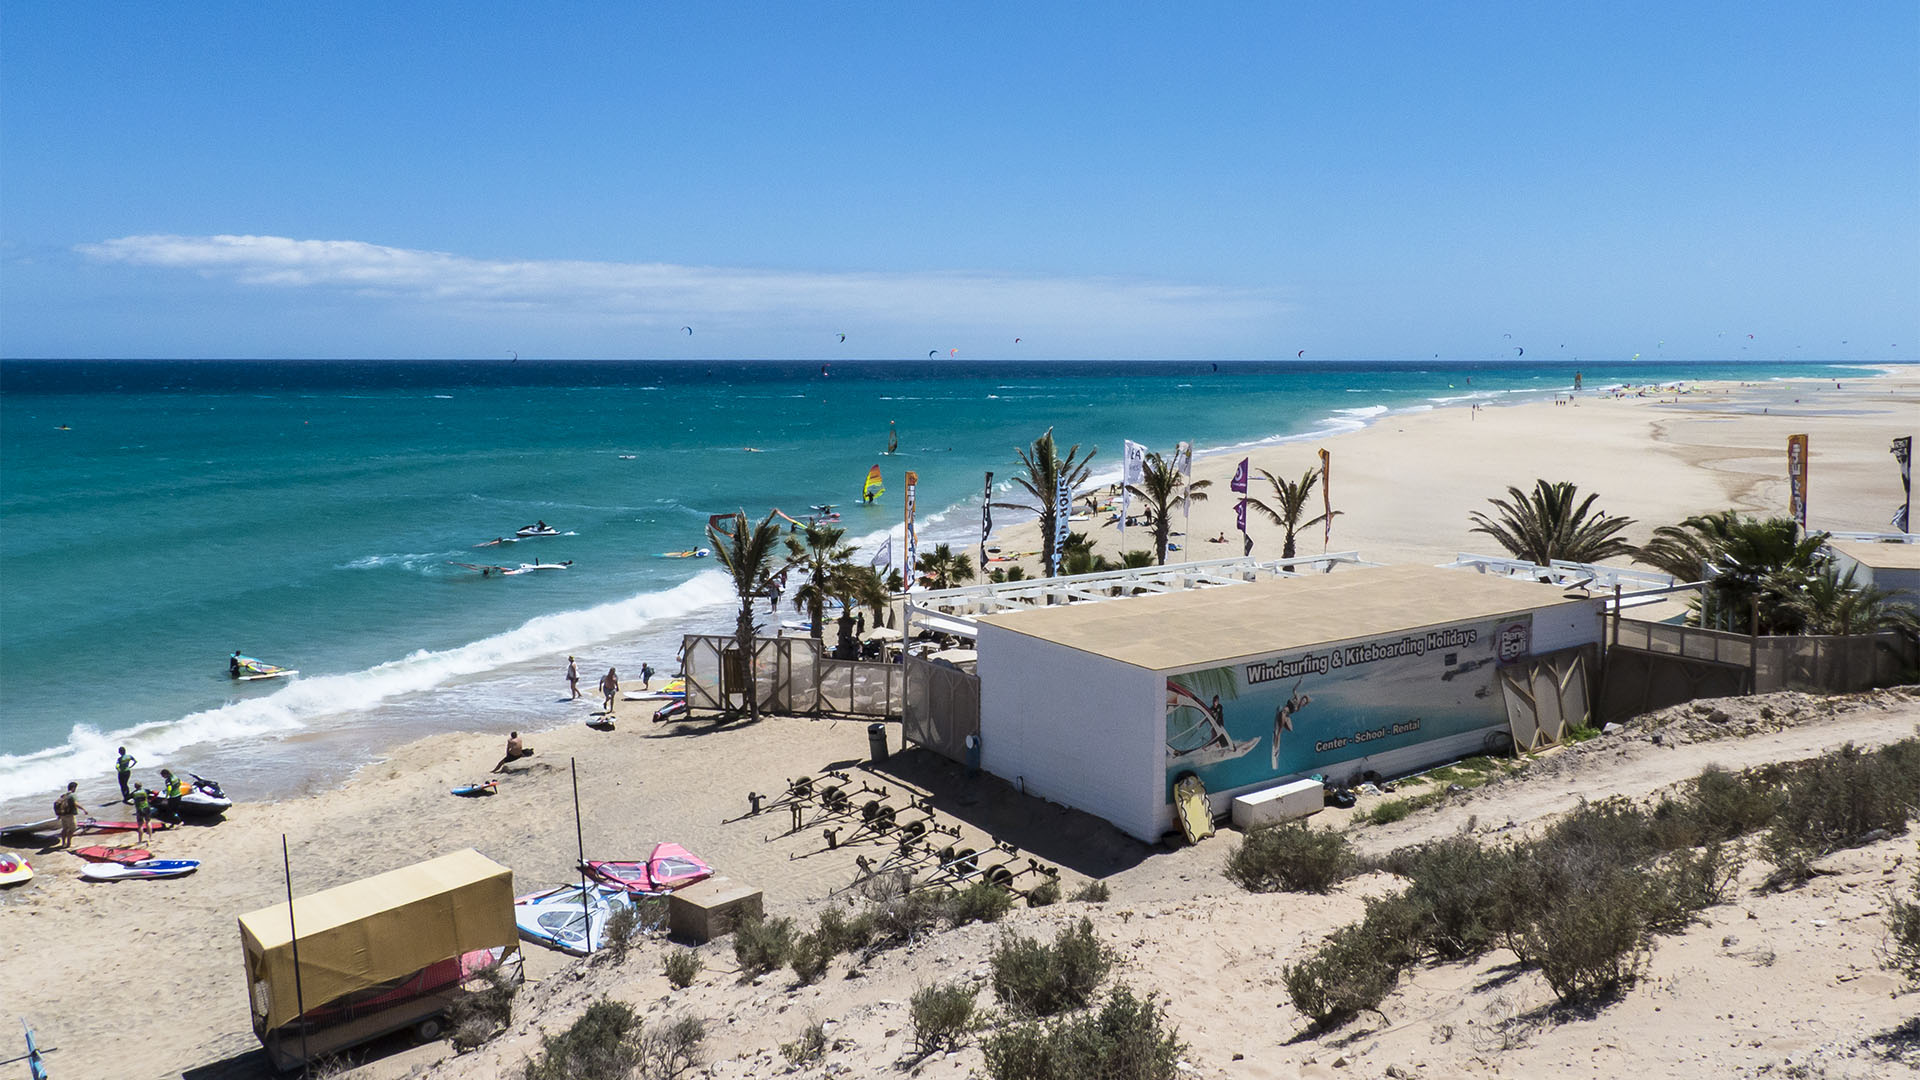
1062, 509
1797, 478
1326, 497
1133, 464
1240, 477
1240, 508
1183, 464
1903, 453
883, 558
986, 521
913, 538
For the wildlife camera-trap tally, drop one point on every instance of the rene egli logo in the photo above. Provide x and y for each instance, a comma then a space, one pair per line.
1511, 642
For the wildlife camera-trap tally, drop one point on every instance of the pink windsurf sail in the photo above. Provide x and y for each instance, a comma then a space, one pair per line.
670, 867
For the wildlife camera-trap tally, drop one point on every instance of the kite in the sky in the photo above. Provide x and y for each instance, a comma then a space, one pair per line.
1518, 351
931, 353
1300, 354
843, 337
688, 329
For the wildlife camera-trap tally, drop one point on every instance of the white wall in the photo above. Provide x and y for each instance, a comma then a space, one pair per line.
1568, 625
1084, 731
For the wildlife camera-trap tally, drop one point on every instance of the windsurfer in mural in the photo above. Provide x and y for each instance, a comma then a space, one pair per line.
1283, 720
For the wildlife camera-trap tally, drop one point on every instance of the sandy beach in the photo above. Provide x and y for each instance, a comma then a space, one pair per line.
143, 979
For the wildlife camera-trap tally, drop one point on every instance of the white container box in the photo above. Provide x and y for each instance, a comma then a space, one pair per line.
1274, 805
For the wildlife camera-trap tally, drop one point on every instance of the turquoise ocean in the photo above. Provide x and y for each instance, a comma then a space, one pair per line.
155, 516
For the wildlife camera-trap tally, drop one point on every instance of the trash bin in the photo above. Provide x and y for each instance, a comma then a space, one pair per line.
877, 742
973, 755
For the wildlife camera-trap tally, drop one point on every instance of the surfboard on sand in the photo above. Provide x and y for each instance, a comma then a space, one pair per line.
1190, 806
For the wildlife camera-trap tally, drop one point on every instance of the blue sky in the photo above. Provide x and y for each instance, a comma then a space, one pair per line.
1153, 180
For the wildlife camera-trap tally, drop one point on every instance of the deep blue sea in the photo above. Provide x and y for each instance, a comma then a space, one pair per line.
155, 516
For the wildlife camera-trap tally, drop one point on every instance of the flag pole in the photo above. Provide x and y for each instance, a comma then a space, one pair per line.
293, 936
580, 838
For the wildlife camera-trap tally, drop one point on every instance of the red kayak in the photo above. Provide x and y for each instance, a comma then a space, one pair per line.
670, 867
121, 855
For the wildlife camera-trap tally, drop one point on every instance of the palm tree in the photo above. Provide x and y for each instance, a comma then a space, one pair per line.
1165, 491
1750, 566
819, 554
1290, 501
747, 556
1832, 604
943, 568
1544, 525
859, 586
1045, 469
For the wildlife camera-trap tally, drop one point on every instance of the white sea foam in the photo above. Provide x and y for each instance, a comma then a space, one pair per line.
304, 701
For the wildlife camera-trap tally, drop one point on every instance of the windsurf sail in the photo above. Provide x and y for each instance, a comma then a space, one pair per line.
1192, 724
670, 867
874, 488
893, 438
242, 666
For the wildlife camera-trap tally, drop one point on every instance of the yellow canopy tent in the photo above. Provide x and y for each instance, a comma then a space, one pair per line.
374, 930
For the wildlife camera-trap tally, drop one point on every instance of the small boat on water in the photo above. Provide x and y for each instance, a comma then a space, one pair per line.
248, 669
538, 528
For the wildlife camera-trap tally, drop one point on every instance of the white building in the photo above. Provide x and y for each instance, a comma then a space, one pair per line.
1102, 706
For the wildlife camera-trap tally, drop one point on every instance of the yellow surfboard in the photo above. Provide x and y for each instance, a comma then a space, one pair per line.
1190, 806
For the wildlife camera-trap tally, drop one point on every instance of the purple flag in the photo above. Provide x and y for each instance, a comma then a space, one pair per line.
1240, 480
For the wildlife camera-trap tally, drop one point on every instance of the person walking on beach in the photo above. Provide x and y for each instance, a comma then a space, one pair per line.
610, 688
142, 812
646, 674
515, 751
68, 809
124, 769
573, 679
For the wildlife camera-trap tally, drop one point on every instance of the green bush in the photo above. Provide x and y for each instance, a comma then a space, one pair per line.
1386, 813
1291, 857
982, 901
602, 1045
1457, 894
1612, 830
943, 1017
762, 945
682, 967
1041, 980
809, 956
1902, 951
1833, 801
1349, 974
1587, 932
1684, 883
1045, 894
1093, 892
1127, 1039
842, 934
622, 927
810, 1047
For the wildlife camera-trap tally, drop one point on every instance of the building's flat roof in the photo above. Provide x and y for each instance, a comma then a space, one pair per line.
1169, 631
1879, 556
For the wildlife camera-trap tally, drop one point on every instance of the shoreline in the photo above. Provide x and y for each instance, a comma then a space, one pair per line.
371, 743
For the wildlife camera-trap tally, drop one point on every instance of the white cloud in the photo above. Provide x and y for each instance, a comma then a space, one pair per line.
666, 294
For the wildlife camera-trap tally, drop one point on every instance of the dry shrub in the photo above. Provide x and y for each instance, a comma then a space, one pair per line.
1291, 858
943, 1017
1352, 973
762, 945
1041, 980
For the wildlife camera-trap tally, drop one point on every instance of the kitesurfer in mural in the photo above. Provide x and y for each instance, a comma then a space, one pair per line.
1283, 719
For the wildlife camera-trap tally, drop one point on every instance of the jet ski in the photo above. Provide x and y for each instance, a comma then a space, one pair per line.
146, 868
203, 800
539, 529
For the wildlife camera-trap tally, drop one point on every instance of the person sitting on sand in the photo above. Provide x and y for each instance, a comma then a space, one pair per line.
515, 751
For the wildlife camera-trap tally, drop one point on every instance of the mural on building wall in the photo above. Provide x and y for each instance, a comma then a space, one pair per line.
1307, 710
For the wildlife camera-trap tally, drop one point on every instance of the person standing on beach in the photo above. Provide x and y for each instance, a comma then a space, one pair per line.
142, 812
68, 809
646, 674
573, 679
610, 687
124, 769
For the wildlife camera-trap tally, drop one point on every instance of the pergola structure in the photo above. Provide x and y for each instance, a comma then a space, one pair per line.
953, 611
